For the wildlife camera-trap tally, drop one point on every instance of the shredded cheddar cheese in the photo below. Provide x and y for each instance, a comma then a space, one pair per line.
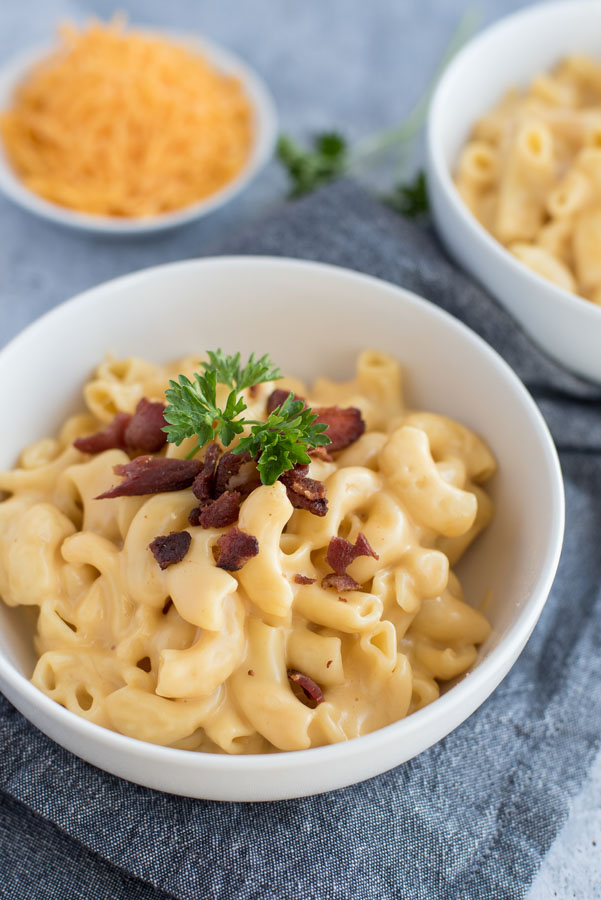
120, 123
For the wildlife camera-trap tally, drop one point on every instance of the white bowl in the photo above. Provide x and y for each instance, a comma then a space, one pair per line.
506, 55
241, 303
265, 129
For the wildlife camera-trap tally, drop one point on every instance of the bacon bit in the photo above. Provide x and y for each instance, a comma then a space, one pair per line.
296, 480
340, 582
167, 606
218, 513
251, 671
277, 397
320, 453
341, 552
142, 431
204, 481
152, 475
329, 663
235, 548
228, 467
170, 548
110, 438
344, 425
304, 492
145, 430
317, 507
310, 691
343, 599
304, 579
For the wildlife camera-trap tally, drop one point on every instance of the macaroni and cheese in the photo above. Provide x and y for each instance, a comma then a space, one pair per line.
531, 174
198, 657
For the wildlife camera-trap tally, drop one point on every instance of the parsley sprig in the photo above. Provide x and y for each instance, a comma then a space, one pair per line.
411, 199
309, 169
278, 443
283, 440
228, 370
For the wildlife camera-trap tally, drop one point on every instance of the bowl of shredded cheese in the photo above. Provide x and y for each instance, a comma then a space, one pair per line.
128, 131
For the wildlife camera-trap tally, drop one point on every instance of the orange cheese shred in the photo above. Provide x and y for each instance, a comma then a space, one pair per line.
121, 123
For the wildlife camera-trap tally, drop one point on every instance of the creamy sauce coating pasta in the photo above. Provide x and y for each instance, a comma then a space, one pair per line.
531, 174
196, 657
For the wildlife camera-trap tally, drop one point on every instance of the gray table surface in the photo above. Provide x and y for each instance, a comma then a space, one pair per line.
357, 65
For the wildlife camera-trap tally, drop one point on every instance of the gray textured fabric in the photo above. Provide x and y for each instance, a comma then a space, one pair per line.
471, 818
48, 865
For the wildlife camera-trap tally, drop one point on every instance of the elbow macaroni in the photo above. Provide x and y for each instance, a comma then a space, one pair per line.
531, 174
196, 657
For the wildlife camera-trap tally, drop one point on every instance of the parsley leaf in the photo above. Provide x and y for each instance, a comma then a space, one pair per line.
282, 440
279, 443
410, 200
229, 372
309, 169
192, 411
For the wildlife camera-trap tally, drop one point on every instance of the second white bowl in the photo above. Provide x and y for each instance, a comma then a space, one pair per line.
506, 55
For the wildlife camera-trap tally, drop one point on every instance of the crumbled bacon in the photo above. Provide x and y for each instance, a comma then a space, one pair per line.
340, 583
304, 579
153, 475
217, 513
170, 548
205, 480
110, 438
320, 453
194, 516
277, 397
145, 430
344, 425
304, 492
235, 548
341, 552
311, 692
229, 467
317, 507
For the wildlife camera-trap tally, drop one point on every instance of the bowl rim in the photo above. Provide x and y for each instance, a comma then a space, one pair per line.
500, 31
263, 106
487, 674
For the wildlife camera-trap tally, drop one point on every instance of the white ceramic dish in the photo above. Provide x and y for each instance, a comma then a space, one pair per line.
265, 125
240, 303
510, 54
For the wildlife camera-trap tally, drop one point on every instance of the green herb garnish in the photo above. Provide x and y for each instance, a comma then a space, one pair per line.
282, 440
279, 443
410, 200
227, 370
309, 169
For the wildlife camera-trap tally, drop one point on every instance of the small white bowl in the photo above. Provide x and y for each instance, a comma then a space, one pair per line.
506, 55
265, 130
238, 303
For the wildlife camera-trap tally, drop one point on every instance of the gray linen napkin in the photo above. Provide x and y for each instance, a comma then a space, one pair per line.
469, 819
